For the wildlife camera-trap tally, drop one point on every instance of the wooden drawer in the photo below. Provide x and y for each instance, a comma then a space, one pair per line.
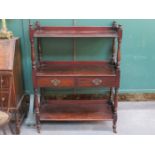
55, 82
4, 99
4, 81
96, 82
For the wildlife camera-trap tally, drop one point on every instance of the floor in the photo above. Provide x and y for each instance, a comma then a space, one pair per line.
133, 118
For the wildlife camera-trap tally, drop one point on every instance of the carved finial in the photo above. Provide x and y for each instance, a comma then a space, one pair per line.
120, 27
37, 25
114, 24
120, 32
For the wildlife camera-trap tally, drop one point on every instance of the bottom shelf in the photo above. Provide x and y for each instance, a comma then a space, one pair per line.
76, 110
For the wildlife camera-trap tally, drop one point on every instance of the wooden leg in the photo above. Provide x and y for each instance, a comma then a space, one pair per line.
114, 122
37, 110
115, 110
17, 124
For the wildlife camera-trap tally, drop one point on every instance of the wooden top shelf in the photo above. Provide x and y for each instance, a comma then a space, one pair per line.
74, 32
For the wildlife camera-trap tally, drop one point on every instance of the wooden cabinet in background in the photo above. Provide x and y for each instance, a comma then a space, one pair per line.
11, 80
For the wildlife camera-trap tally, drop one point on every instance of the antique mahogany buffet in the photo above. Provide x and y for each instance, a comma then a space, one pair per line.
75, 74
11, 81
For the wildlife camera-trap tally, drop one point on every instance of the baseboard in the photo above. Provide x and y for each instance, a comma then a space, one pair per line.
137, 97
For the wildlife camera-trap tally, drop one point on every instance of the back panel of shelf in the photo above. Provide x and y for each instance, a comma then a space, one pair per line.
83, 49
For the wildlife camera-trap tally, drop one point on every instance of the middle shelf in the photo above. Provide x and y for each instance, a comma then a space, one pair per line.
76, 68
76, 74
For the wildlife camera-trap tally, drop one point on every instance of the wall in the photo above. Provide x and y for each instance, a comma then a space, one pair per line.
138, 50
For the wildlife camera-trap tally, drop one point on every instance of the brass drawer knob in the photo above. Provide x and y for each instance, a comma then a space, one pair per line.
3, 99
55, 82
96, 82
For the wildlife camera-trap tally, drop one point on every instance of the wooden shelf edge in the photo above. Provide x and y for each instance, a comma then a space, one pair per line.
76, 110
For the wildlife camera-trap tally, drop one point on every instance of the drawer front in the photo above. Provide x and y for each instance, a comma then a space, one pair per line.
4, 99
96, 82
4, 81
55, 82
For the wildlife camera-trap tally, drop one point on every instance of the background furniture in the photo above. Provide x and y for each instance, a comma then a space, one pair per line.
79, 74
5, 118
11, 81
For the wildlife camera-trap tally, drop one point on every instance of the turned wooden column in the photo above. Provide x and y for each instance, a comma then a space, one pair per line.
117, 77
34, 68
113, 61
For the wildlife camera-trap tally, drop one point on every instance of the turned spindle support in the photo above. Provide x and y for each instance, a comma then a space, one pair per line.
118, 59
119, 46
113, 60
115, 110
34, 68
36, 102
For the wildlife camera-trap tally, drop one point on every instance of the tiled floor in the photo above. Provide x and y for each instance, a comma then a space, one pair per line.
133, 118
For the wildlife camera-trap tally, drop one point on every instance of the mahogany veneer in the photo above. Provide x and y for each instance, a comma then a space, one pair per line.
75, 74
